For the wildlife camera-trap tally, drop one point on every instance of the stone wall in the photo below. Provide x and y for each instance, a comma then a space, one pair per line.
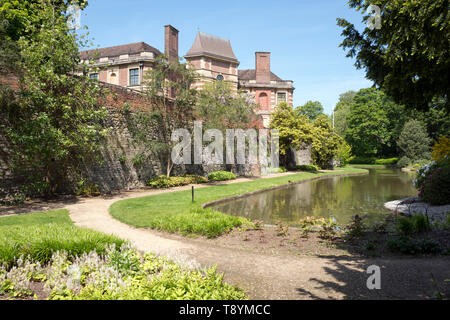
124, 163
299, 157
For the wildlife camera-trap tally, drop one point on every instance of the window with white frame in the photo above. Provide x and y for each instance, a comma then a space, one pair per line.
134, 77
281, 97
93, 76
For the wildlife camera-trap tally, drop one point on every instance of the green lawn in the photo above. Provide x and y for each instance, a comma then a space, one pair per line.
175, 212
39, 235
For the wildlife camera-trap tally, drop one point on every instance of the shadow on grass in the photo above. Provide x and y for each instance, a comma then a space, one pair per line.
38, 205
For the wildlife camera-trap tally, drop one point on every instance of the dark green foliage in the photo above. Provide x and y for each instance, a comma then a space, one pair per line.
370, 246
408, 57
436, 119
418, 223
407, 245
373, 124
308, 167
414, 141
221, 176
405, 226
421, 223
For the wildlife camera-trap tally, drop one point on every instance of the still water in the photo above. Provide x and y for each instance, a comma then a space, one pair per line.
338, 197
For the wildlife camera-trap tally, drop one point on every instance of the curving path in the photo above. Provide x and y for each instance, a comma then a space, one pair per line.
266, 276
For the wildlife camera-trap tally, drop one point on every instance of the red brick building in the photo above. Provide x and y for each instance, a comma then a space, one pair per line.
268, 89
211, 56
125, 65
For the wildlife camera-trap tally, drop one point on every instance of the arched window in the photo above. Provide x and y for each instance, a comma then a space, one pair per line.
263, 101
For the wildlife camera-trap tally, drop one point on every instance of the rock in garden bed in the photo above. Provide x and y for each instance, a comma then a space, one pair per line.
413, 205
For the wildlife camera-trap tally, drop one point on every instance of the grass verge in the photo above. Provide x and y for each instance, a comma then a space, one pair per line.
39, 235
175, 211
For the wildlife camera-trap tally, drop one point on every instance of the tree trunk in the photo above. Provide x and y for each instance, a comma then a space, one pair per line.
169, 166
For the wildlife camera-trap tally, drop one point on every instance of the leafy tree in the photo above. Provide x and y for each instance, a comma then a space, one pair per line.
344, 153
414, 141
172, 100
408, 57
8, 48
54, 121
20, 14
436, 119
221, 108
374, 124
325, 144
297, 131
311, 109
294, 132
341, 112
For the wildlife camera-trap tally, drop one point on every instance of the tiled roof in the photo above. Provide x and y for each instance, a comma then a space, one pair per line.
250, 74
206, 44
115, 51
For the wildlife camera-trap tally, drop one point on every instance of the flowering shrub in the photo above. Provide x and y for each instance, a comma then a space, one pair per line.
433, 182
441, 149
120, 274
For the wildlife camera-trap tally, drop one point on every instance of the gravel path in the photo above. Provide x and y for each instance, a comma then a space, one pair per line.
266, 276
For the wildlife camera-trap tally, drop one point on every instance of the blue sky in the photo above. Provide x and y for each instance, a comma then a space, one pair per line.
302, 36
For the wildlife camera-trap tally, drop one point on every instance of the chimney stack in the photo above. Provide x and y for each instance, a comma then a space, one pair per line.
262, 61
171, 43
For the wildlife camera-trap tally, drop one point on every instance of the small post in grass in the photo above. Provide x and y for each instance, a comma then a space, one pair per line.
192, 193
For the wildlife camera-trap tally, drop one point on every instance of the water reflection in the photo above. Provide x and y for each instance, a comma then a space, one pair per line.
340, 197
